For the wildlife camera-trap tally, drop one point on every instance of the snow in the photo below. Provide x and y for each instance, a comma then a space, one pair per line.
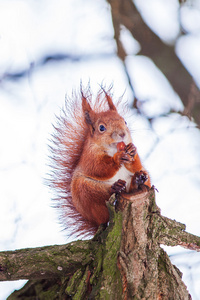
83, 30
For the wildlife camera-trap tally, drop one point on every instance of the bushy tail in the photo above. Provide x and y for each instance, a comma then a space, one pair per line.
70, 133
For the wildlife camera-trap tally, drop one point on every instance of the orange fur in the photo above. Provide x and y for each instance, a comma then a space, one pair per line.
86, 162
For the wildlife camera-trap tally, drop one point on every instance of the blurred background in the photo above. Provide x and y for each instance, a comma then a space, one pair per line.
149, 51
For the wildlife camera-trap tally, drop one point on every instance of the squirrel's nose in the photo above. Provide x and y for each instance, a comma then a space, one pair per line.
122, 135
118, 135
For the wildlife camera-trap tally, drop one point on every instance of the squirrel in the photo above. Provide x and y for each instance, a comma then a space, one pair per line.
92, 157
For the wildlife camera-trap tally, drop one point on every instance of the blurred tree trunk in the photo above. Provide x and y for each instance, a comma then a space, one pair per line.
124, 12
125, 261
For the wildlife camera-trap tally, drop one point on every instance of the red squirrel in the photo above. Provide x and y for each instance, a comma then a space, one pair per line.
93, 157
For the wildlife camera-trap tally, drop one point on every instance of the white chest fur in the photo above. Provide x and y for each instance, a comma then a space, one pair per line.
122, 174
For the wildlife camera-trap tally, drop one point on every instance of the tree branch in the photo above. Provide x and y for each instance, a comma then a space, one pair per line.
44, 262
123, 261
124, 12
172, 233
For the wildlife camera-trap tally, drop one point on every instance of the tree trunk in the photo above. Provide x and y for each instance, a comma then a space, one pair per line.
123, 261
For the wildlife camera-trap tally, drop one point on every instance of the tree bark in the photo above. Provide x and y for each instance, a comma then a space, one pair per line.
124, 261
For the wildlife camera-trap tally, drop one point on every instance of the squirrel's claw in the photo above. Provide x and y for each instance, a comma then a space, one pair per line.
131, 150
118, 187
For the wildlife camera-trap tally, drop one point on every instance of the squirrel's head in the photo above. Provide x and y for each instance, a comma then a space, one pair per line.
106, 128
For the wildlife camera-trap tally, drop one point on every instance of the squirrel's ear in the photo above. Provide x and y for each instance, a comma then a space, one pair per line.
87, 111
109, 100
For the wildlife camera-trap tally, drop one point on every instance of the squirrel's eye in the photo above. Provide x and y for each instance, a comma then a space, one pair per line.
102, 128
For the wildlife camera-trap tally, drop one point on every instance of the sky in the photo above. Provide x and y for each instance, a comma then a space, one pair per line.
82, 30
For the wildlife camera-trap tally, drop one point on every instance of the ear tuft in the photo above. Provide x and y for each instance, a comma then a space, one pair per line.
109, 100
85, 104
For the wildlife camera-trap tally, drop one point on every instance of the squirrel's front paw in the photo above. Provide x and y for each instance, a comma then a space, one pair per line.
118, 187
141, 177
125, 153
131, 151
121, 157
138, 181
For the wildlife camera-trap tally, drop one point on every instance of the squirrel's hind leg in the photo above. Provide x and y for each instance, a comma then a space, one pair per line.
90, 202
